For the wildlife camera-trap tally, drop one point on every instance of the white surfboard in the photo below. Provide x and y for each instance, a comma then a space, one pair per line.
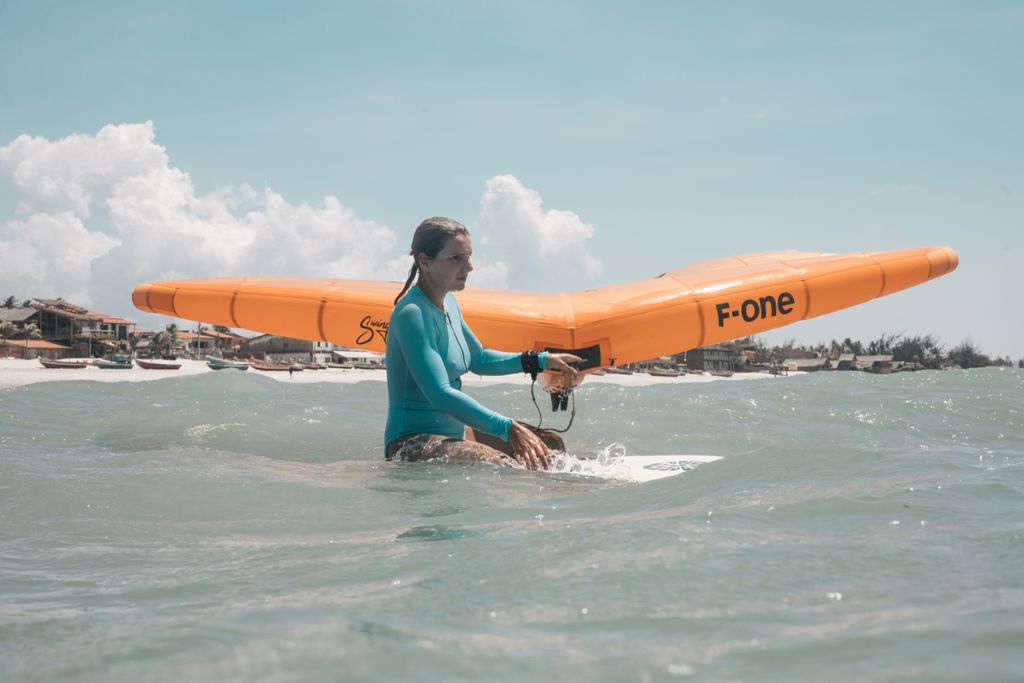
643, 468
637, 468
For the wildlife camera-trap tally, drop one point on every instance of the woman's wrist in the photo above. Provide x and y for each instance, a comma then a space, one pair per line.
531, 362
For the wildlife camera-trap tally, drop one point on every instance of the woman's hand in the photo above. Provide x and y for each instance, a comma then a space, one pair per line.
560, 362
529, 450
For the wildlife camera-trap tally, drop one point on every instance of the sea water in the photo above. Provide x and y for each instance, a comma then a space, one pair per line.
229, 527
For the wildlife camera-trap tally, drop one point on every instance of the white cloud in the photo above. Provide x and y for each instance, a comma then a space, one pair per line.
65, 174
46, 247
104, 213
540, 249
490, 274
100, 214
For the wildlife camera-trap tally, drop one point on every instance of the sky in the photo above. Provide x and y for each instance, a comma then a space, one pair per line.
583, 143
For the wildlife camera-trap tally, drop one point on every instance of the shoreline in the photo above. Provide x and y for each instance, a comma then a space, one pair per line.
15, 372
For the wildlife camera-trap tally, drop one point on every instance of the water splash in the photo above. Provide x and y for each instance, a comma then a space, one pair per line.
608, 464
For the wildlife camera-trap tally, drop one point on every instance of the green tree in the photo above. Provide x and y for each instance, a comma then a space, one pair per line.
967, 355
164, 343
6, 330
171, 339
157, 343
918, 349
9, 302
883, 345
850, 346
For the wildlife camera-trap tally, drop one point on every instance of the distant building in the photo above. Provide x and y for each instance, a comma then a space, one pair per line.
83, 330
273, 347
323, 352
208, 340
343, 354
111, 327
33, 348
797, 354
846, 361
867, 362
19, 317
805, 364
717, 358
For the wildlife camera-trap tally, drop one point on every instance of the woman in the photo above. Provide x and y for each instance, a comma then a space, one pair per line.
430, 347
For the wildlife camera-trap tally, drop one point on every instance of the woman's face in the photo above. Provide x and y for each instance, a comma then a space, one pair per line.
449, 269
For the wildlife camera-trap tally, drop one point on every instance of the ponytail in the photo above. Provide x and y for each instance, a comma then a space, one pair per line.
408, 282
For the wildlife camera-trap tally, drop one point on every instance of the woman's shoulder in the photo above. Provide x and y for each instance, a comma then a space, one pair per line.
412, 297
411, 307
406, 306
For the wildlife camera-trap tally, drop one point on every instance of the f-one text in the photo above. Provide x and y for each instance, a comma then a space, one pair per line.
761, 308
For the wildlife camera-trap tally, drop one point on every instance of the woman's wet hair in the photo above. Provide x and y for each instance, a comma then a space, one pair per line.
430, 238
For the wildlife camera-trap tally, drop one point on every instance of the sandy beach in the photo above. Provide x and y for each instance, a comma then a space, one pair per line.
16, 372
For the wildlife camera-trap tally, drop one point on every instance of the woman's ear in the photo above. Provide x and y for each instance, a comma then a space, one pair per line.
421, 260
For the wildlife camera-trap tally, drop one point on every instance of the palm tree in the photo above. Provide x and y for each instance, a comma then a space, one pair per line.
31, 331
157, 343
164, 343
6, 330
199, 340
854, 347
9, 302
170, 339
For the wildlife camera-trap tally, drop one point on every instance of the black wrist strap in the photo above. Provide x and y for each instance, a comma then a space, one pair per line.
531, 363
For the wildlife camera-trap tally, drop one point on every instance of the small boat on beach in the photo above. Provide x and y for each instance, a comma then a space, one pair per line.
614, 370
663, 372
113, 363
156, 364
268, 367
215, 363
55, 364
340, 366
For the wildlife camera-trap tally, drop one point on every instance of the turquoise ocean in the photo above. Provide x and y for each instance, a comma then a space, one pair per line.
228, 527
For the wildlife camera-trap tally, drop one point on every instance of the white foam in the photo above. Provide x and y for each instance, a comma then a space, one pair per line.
608, 464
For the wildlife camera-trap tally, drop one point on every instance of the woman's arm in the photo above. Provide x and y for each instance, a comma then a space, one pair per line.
484, 361
427, 367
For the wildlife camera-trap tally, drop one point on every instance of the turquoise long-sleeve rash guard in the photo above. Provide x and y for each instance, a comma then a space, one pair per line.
428, 351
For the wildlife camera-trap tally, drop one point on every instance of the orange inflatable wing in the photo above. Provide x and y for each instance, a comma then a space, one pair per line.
693, 306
